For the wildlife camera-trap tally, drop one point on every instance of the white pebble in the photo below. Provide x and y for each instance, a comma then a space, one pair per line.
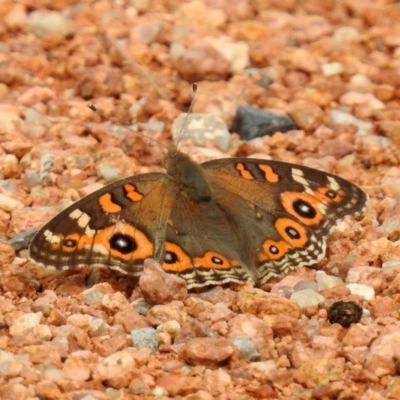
307, 297
361, 290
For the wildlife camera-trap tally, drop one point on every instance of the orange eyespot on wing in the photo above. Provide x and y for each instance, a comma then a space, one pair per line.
214, 260
175, 260
124, 242
303, 206
292, 232
273, 250
328, 195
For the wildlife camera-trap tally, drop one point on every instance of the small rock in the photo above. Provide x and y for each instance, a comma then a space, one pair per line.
249, 30
210, 352
106, 345
25, 322
379, 366
93, 297
158, 287
390, 184
262, 369
217, 382
336, 148
306, 114
9, 167
92, 325
369, 276
307, 297
146, 30
283, 325
76, 366
353, 98
194, 13
43, 355
356, 355
42, 332
141, 306
319, 372
115, 302
202, 62
331, 69
252, 122
248, 325
179, 385
7, 253
384, 307
130, 320
8, 204
100, 81
286, 286
116, 370
42, 23
338, 117
29, 98
145, 337
18, 149
27, 218
260, 303
345, 34
201, 129
304, 284
360, 83
247, 348
171, 327
390, 129
391, 263
47, 389
237, 53
325, 281
384, 92
361, 290
359, 335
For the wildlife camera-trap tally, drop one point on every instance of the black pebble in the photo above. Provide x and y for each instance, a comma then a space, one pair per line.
252, 122
345, 313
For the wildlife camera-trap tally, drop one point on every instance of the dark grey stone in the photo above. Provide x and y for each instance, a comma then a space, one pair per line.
251, 123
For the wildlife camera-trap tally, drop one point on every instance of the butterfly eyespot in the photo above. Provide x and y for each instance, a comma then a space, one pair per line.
273, 250
124, 244
304, 209
171, 257
70, 243
293, 233
216, 260
331, 194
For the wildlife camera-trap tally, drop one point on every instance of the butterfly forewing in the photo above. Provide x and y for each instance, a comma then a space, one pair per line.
112, 227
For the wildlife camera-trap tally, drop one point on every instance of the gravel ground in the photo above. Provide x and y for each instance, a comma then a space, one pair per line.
331, 67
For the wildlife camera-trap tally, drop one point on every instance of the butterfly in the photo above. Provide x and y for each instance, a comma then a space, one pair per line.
226, 220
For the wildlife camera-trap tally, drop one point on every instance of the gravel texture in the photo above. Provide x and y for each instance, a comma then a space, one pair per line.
331, 67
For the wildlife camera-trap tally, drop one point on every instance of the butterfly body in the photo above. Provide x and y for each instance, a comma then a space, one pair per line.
227, 220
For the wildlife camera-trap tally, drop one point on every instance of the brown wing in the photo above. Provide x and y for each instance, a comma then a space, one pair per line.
286, 211
117, 227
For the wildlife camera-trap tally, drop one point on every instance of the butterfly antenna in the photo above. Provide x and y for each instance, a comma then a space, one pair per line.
194, 89
95, 109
